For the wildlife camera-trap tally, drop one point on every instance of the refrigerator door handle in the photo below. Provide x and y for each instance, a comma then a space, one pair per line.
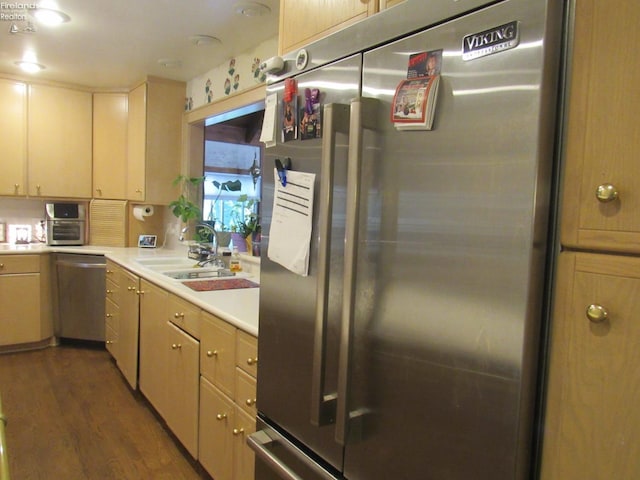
363, 116
323, 405
262, 441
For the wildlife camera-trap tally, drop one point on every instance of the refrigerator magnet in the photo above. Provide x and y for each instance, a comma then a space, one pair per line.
289, 120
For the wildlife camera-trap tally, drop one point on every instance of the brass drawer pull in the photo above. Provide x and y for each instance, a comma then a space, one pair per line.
606, 193
597, 313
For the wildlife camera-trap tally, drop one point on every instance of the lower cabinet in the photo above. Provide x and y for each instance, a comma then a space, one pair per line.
224, 427
196, 370
592, 423
24, 322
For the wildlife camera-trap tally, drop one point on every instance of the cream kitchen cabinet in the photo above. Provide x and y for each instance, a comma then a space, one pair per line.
110, 145
59, 142
112, 310
154, 131
228, 367
154, 350
182, 377
602, 175
305, 22
20, 320
128, 302
13, 137
169, 362
592, 426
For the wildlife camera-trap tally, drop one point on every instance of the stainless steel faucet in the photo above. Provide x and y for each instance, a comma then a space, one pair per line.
213, 257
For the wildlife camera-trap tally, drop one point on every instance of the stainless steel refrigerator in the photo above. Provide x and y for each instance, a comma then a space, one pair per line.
410, 350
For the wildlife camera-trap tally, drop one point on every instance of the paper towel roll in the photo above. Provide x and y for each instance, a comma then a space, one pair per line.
141, 211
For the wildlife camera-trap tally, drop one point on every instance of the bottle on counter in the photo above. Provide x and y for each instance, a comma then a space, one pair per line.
234, 264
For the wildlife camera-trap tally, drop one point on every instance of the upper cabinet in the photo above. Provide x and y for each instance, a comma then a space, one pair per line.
13, 137
110, 145
602, 177
154, 140
59, 142
305, 22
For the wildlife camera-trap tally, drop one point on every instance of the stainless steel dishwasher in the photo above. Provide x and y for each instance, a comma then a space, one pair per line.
80, 286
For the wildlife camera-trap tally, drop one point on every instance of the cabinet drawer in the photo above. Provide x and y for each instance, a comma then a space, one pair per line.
19, 264
217, 352
185, 315
246, 392
112, 291
247, 353
112, 314
112, 272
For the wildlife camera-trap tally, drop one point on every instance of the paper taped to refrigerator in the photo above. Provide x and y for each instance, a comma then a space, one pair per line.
268, 133
290, 233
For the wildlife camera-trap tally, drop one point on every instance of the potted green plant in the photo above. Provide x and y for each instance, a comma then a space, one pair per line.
244, 222
186, 210
223, 231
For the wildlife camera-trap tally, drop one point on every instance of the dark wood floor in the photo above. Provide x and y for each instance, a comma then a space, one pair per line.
72, 416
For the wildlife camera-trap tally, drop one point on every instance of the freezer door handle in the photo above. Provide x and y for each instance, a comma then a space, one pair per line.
323, 405
263, 442
363, 116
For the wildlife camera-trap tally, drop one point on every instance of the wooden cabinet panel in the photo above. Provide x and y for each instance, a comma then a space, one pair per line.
110, 145
59, 142
182, 377
13, 137
592, 425
243, 456
247, 353
304, 22
602, 139
217, 418
246, 392
129, 327
19, 264
154, 140
217, 355
19, 320
154, 346
185, 315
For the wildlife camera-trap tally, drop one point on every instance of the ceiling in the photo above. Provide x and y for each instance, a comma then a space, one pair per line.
116, 43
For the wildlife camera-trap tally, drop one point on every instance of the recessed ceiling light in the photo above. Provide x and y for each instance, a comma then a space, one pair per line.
30, 67
170, 62
203, 40
48, 16
251, 9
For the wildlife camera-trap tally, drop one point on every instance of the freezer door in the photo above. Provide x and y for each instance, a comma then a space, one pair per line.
288, 302
450, 259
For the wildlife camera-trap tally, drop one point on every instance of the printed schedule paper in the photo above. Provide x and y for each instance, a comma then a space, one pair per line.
290, 233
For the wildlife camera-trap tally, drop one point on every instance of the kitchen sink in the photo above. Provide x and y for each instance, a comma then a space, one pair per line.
193, 273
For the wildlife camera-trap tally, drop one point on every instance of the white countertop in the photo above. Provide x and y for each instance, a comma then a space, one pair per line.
238, 307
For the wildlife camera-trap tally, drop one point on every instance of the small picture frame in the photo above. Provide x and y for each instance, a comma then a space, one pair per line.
147, 241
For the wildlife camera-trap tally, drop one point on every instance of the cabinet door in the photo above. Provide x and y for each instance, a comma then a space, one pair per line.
304, 22
154, 346
182, 377
59, 142
217, 357
216, 425
19, 320
602, 135
13, 137
128, 334
110, 145
112, 322
243, 456
592, 425
136, 143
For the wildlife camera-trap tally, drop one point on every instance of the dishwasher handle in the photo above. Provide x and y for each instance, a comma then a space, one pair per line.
66, 263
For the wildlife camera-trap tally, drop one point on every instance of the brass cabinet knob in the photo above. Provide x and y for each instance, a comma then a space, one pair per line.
109, 291
176, 346
597, 313
109, 271
221, 416
252, 361
16, 187
109, 342
250, 402
238, 431
212, 353
38, 189
606, 193
139, 292
131, 288
2, 266
178, 315
109, 315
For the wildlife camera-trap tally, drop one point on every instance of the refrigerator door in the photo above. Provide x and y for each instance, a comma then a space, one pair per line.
450, 259
289, 302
